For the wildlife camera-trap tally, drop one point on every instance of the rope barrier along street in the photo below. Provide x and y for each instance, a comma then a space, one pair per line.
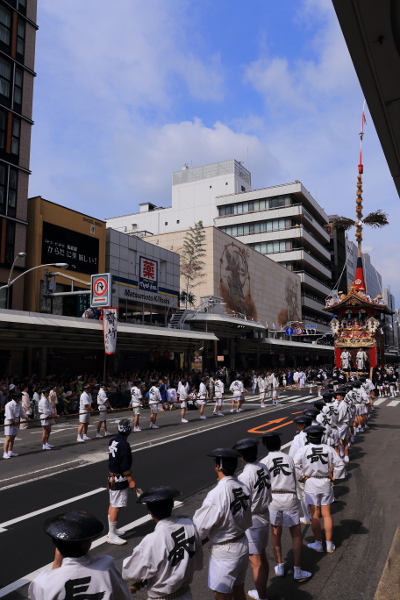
70, 415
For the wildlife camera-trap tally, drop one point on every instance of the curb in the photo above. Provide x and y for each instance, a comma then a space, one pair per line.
389, 584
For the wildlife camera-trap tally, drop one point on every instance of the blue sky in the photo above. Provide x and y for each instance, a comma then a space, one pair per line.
126, 95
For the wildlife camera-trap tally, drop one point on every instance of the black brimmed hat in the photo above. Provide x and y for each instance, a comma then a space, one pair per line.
245, 444
76, 526
311, 412
224, 453
158, 494
303, 419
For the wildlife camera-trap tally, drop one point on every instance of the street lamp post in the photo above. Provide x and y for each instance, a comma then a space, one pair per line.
19, 255
10, 283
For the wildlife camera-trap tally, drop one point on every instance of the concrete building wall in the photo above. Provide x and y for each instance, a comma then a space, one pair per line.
249, 283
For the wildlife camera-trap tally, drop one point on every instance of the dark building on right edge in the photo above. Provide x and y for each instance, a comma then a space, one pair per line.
17, 56
338, 251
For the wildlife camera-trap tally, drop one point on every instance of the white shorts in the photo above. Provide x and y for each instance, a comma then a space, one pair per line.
153, 408
219, 400
102, 415
224, 575
11, 429
288, 518
45, 422
257, 538
84, 418
201, 401
320, 499
136, 410
184, 404
119, 498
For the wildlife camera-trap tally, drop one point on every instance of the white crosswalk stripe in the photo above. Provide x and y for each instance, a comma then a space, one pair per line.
380, 401
393, 403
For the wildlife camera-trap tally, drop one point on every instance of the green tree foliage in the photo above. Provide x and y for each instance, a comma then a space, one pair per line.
192, 265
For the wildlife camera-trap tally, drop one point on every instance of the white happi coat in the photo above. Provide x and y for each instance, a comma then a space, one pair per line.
154, 395
237, 388
166, 558
102, 399
85, 400
13, 410
283, 481
203, 391
299, 440
225, 515
219, 388
136, 396
262, 385
256, 478
45, 408
81, 577
317, 461
344, 418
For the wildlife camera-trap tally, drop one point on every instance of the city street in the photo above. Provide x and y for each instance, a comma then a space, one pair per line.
37, 485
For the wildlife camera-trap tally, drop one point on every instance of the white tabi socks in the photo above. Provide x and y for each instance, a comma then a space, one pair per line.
112, 537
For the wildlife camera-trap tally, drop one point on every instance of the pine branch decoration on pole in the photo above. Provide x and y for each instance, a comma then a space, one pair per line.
192, 265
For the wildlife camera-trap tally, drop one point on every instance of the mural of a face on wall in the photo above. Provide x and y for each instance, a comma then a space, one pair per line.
235, 285
292, 311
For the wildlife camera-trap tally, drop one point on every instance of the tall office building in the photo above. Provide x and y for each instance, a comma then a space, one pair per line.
17, 57
283, 222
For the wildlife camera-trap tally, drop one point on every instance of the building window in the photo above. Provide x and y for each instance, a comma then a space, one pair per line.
166, 223
5, 27
12, 193
3, 129
273, 247
260, 227
254, 205
10, 242
242, 188
177, 221
20, 40
5, 81
2, 189
16, 135
21, 6
18, 83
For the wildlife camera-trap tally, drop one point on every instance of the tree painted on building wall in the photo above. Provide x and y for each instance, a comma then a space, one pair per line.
192, 265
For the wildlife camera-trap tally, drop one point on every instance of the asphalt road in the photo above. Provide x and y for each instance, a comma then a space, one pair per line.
367, 510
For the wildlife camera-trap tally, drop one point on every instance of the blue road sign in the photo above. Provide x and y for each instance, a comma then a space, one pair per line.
289, 331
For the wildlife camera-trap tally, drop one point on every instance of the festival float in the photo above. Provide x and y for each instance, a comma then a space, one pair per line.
359, 319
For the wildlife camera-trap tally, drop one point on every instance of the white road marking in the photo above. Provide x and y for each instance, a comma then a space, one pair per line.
378, 402
311, 400
48, 508
103, 455
295, 399
19, 583
40, 470
393, 403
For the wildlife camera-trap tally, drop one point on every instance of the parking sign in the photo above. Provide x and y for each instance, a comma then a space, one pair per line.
101, 290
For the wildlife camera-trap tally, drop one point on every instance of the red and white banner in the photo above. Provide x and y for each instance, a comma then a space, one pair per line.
110, 316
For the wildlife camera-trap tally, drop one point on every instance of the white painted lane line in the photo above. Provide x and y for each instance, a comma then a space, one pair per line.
19, 583
295, 399
378, 402
393, 403
313, 399
40, 470
47, 508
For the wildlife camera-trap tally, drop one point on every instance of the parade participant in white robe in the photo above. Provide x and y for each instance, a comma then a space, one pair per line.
343, 424
219, 389
202, 397
13, 412
345, 359
136, 403
299, 440
183, 391
166, 559
238, 391
47, 414
255, 476
103, 404
223, 519
75, 573
262, 386
283, 510
318, 464
154, 401
350, 399
85, 409
361, 358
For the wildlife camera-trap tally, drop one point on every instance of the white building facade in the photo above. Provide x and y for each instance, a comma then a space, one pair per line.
282, 222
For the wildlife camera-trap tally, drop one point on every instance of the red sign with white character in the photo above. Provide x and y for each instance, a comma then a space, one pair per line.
148, 274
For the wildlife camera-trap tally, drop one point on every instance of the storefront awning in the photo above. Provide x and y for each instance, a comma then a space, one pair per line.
293, 345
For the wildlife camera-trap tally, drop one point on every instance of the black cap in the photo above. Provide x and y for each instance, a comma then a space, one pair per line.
76, 526
87, 386
327, 395
245, 444
341, 390
311, 412
204, 379
158, 494
363, 377
270, 434
45, 391
315, 430
304, 419
103, 384
357, 383
224, 453
16, 395
319, 404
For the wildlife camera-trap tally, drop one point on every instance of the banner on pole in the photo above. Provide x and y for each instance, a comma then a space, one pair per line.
110, 329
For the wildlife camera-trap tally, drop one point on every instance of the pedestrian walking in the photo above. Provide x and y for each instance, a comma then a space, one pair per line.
103, 403
85, 410
13, 412
202, 397
154, 401
219, 387
47, 416
136, 403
